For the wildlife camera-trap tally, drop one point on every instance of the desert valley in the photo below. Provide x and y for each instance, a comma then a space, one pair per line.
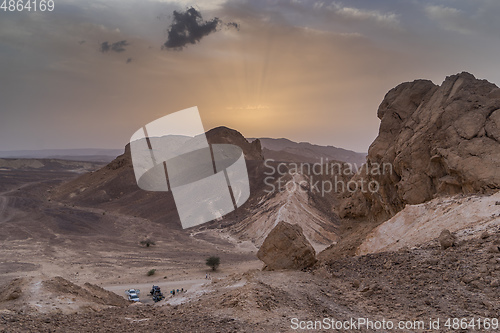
421, 246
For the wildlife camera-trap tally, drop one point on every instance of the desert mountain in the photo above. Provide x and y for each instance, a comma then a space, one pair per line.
288, 151
437, 140
114, 186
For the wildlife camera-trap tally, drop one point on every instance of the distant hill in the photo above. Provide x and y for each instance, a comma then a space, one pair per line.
9, 164
282, 150
285, 150
85, 154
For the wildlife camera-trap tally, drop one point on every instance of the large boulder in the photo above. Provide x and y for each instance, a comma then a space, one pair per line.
446, 239
433, 140
286, 247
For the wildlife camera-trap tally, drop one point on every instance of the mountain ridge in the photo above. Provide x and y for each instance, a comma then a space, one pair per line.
286, 150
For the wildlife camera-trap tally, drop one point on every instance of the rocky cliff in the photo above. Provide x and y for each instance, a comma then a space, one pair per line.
433, 140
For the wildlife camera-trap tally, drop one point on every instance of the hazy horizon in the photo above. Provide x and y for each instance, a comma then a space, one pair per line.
250, 139
89, 74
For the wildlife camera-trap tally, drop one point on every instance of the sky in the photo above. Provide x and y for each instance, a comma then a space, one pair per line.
90, 73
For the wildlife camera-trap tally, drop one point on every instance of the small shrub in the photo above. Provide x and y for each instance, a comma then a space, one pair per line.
151, 272
147, 242
213, 262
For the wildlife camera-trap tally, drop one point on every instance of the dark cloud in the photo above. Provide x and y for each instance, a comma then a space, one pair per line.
104, 47
119, 46
188, 28
115, 47
233, 25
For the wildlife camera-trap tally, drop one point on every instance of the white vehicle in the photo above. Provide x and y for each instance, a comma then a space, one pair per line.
132, 291
133, 295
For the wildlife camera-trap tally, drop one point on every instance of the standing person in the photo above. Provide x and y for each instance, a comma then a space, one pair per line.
206, 276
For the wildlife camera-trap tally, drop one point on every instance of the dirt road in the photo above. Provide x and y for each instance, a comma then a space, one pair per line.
165, 286
4, 199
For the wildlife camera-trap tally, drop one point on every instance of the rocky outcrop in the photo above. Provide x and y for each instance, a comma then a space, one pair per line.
433, 140
223, 135
286, 247
12, 290
446, 239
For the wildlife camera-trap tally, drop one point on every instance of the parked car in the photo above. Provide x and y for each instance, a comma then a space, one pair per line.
133, 295
132, 291
156, 293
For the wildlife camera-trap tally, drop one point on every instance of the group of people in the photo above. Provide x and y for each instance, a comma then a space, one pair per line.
207, 276
178, 291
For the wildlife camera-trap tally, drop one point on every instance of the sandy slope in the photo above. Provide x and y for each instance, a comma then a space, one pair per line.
291, 205
417, 224
408, 285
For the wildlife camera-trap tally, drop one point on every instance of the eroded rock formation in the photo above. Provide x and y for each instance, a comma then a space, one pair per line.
433, 140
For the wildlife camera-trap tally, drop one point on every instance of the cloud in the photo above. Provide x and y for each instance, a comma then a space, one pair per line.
115, 47
105, 47
449, 18
233, 25
189, 28
442, 11
480, 20
390, 19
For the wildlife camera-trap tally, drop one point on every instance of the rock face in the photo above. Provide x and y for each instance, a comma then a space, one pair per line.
433, 140
286, 247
